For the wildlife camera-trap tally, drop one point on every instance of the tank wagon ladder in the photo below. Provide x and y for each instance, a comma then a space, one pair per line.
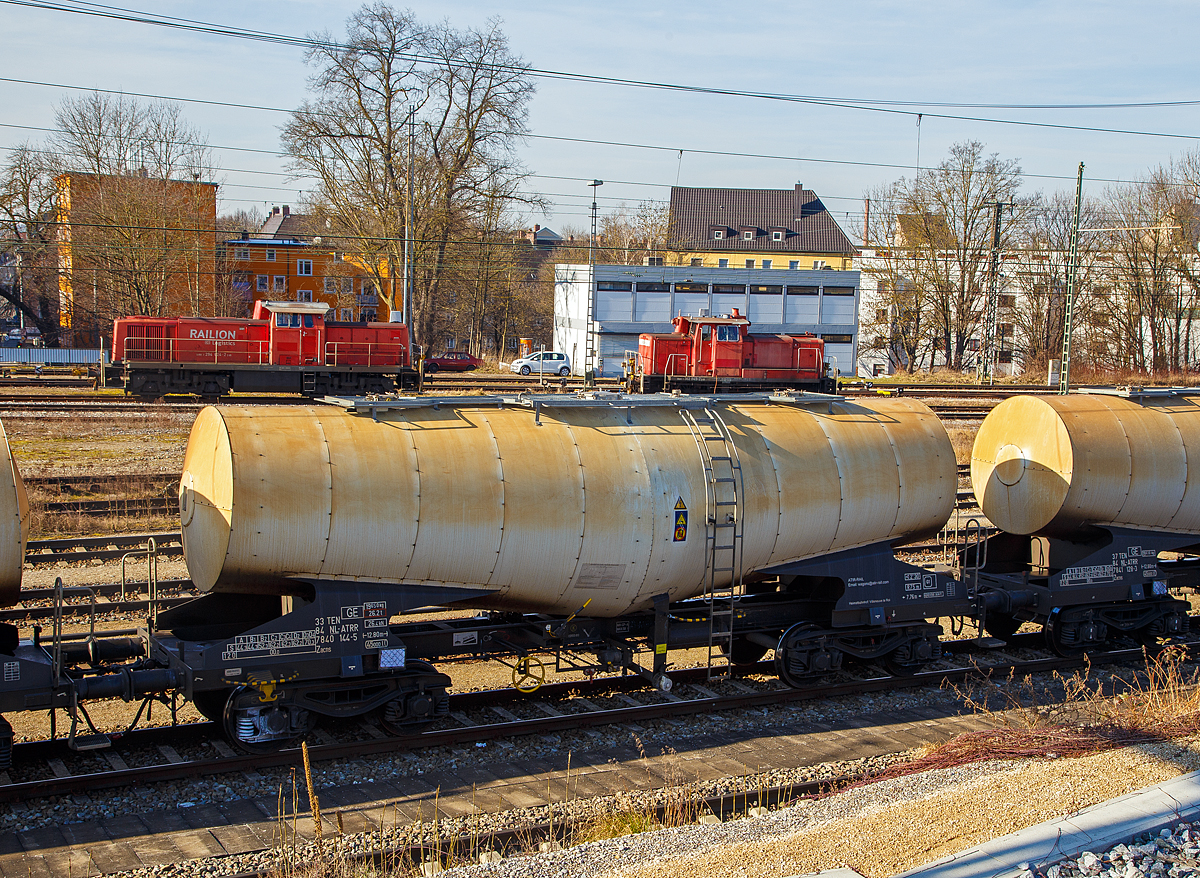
722, 531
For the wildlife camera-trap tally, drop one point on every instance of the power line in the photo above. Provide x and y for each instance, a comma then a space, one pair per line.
867, 104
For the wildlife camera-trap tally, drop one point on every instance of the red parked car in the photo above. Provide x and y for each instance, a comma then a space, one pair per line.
452, 361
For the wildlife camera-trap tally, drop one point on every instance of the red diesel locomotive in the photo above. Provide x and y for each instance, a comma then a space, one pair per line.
719, 355
286, 347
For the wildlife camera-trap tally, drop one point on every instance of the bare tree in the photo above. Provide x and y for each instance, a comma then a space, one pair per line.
469, 100
137, 211
27, 237
1040, 280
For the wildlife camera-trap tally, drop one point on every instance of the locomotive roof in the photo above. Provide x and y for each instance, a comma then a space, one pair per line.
296, 307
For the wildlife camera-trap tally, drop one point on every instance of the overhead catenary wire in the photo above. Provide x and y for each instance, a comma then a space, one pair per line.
907, 108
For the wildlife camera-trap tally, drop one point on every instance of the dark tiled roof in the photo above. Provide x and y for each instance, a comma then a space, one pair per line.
807, 225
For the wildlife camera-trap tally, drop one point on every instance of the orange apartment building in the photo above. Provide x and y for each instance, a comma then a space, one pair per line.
132, 244
282, 262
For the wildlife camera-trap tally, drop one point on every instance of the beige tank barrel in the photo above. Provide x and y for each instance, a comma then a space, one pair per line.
14, 526
1051, 465
545, 514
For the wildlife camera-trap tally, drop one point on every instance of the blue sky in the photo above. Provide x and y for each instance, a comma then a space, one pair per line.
936, 52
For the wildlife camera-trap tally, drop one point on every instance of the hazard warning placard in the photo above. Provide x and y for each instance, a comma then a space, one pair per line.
681, 516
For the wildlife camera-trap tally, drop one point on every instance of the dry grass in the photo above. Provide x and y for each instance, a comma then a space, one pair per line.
963, 440
1074, 716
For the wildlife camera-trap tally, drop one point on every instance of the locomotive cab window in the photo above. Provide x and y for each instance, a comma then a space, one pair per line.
308, 321
727, 332
705, 332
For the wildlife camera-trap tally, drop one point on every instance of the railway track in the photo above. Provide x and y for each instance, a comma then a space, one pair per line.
106, 548
551, 711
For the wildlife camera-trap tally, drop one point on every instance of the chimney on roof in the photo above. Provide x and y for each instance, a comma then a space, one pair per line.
274, 210
286, 210
536, 228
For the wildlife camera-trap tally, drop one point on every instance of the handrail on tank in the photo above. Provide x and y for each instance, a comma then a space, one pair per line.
56, 664
973, 537
151, 567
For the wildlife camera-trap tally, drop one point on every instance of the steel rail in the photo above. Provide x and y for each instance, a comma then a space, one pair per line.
29, 790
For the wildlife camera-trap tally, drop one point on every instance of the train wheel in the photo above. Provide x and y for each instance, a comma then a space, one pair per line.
1001, 625
410, 713
803, 656
1071, 638
211, 704
901, 667
255, 726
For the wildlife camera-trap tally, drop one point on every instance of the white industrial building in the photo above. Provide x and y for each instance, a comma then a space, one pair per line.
627, 300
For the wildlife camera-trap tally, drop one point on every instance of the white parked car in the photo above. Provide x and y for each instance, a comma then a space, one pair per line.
543, 363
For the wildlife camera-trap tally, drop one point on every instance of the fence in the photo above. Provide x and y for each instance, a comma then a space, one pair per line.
55, 356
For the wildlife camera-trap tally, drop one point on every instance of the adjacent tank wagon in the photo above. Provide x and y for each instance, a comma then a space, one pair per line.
1088, 491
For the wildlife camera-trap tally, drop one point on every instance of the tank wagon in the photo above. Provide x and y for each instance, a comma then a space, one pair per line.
720, 355
1088, 492
606, 530
285, 347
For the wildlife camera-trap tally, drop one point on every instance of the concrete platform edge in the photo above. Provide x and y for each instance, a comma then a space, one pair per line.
1095, 829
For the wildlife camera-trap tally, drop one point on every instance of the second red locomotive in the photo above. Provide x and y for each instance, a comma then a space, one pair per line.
286, 347
719, 355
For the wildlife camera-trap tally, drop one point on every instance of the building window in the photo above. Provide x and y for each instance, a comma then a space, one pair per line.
749, 263
270, 256
722, 263
718, 234
747, 236
653, 288
331, 285
347, 285
512, 344
304, 267
697, 263
242, 253
819, 265
881, 315
838, 339
451, 343
802, 291
767, 290
794, 264
654, 261
766, 263
614, 286
261, 283
776, 236
347, 314
691, 288
839, 291
737, 289
368, 315
304, 296
280, 283
1007, 301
